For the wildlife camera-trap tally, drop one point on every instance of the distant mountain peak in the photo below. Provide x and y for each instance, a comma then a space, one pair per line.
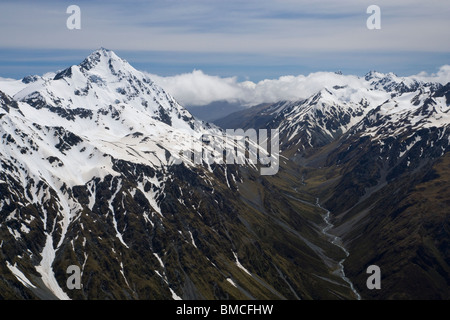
104, 81
30, 79
390, 82
102, 57
373, 74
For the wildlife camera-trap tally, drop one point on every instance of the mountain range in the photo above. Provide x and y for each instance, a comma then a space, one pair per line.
375, 150
89, 178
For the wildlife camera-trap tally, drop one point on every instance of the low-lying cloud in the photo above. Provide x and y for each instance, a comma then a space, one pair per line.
442, 76
197, 88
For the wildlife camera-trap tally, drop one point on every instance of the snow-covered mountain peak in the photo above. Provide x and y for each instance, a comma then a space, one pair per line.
106, 62
103, 68
343, 101
373, 75
392, 83
31, 78
104, 87
104, 106
100, 56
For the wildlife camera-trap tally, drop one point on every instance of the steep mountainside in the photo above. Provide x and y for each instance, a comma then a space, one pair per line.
376, 154
89, 178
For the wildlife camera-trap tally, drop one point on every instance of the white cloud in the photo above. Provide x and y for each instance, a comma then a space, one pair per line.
198, 88
442, 76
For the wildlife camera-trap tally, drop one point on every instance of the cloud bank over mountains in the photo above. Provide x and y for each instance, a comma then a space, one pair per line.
197, 88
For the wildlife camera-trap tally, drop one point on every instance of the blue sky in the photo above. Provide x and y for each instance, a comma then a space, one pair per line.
253, 39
